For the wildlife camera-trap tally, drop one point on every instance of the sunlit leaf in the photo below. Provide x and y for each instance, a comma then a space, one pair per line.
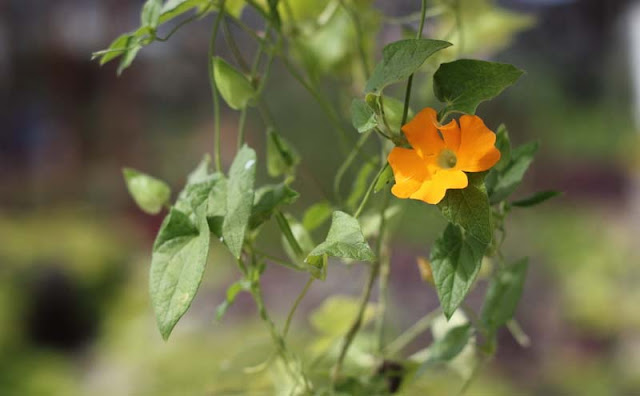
149, 193
177, 265
463, 84
234, 87
150, 15
401, 59
344, 240
239, 199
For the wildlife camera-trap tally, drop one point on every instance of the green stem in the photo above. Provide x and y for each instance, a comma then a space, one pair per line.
412, 332
407, 95
367, 195
347, 163
355, 326
214, 91
292, 312
384, 275
241, 127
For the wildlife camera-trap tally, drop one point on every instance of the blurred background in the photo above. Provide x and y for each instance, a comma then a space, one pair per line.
75, 316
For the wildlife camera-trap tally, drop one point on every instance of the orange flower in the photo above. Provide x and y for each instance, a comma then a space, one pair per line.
440, 156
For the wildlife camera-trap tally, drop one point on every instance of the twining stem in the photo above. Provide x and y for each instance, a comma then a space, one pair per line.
347, 163
355, 326
275, 335
412, 332
384, 273
407, 95
241, 127
366, 294
214, 91
367, 195
292, 312
385, 265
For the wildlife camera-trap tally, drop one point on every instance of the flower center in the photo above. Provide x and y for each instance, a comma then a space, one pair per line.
447, 159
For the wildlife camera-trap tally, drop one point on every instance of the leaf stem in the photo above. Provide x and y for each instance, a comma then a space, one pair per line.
214, 91
407, 94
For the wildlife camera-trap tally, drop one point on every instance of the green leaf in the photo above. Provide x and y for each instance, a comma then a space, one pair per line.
385, 178
316, 215
503, 295
177, 265
196, 194
281, 156
509, 179
132, 47
150, 15
175, 8
449, 346
363, 118
267, 200
117, 48
536, 198
239, 199
457, 254
464, 84
233, 86
334, 316
344, 240
232, 292
455, 261
217, 206
469, 208
400, 60
150, 194
360, 184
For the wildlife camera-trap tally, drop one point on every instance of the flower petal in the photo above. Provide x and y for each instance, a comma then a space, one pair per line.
477, 150
422, 133
409, 170
435, 189
451, 135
